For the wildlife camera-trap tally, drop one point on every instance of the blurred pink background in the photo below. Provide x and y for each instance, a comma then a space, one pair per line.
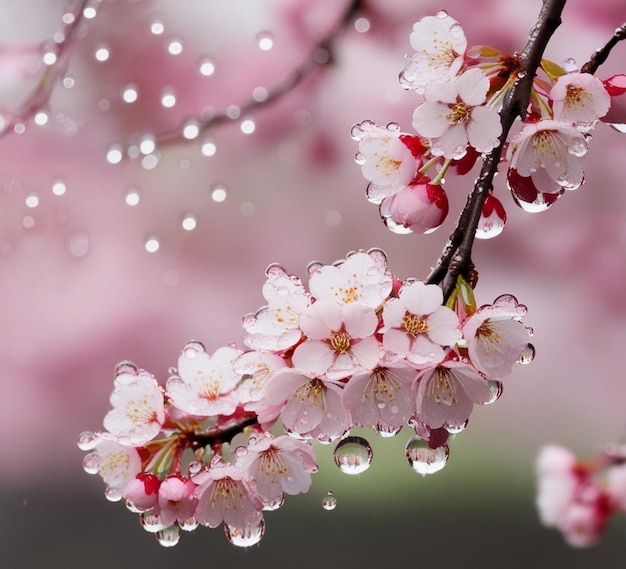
81, 292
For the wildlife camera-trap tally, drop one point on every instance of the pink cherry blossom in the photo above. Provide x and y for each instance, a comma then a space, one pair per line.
138, 410
205, 385
386, 159
419, 208
275, 327
495, 337
339, 342
277, 465
312, 406
446, 393
380, 397
142, 493
580, 99
224, 497
118, 465
176, 500
492, 218
549, 152
416, 326
439, 43
557, 482
453, 115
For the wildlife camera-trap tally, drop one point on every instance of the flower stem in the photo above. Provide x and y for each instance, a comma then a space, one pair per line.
601, 54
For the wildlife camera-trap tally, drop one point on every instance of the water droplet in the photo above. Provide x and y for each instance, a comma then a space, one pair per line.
193, 348
91, 463
168, 537
49, 58
423, 459
32, 200
195, 467
442, 14
456, 428
396, 228
527, 355
265, 41
386, 431
87, 440
89, 12
113, 494
209, 148
40, 118
132, 197
274, 505
151, 522
245, 537
130, 94
359, 158
190, 524
189, 222
191, 130
28, 222
496, 391
260, 94
353, 455
233, 112
78, 244
124, 367
329, 502
570, 65
619, 127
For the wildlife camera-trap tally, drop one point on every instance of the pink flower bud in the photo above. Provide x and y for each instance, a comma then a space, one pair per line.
420, 208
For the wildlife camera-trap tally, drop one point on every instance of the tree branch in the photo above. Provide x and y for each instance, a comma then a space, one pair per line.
601, 54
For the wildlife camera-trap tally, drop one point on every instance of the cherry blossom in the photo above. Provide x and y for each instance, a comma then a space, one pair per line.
439, 43
277, 465
419, 208
416, 327
117, 464
446, 393
312, 406
380, 398
275, 327
580, 99
138, 410
176, 500
205, 384
142, 493
340, 340
362, 277
223, 496
495, 337
549, 152
453, 115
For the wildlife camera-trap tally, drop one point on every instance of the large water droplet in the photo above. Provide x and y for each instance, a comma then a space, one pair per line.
329, 502
247, 536
91, 463
496, 391
353, 455
527, 355
168, 537
423, 459
87, 440
151, 522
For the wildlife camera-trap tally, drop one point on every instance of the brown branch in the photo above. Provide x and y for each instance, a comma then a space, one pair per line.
456, 258
43, 90
601, 54
320, 56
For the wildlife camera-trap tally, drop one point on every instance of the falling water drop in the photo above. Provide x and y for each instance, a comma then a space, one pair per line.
247, 536
423, 459
527, 355
353, 455
329, 502
169, 536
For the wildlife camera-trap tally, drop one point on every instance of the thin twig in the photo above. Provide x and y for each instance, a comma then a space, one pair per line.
456, 259
601, 54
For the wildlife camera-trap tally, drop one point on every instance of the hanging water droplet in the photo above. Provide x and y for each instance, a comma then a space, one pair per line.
151, 522
527, 355
113, 494
329, 502
191, 130
275, 504
87, 440
91, 463
169, 536
195, 467
423, 459
386, 431
190, 524
496, 391
569, 65
193, 348
245, 537
124, 367
619, 127
442, 14
456, 428
353, 455
265, 41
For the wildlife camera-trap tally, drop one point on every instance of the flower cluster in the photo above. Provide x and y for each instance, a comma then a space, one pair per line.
463, 89
580, 497
229, 435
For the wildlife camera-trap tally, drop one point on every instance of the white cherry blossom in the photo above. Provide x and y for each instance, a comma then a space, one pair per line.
580, 99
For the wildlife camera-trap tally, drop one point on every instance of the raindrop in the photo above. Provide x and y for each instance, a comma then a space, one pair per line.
207, 67
152, 245
329, 502
41, 118
150, 161
275, 504
169, 536
423, 459
68, 18
570, 65
147, 145
113, 494
456, 428
527, 355
190, 524
89, 12
191, 130
259, 94
91, 463
247, 536
32, 200
68, 82
151, 522
194, 467
78, 244
19, 128
496, 391
265, 41
353, 455
87, 440
124, 367
618, 127
49, 58
396, 228
233, 112
386, 431
362, 25
442, 14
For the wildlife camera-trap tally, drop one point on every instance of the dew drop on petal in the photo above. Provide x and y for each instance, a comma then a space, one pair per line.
195, 467
527, 355
329, 502
619, 127
442, 14
456, 428
274, 505
169, 536
193, 348
386, 431
423, 459
91, 463
353, 455
151, 522
496, 391
124, 367
87, 440
570, 65
245, 537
